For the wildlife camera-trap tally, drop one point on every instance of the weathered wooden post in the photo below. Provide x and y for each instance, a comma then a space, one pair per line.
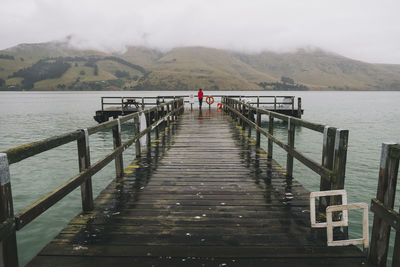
274, 103
340, 156
339, 167
380, 236
84, 163
137, 131
234, 116
249, 117
175, 106
173, 110
119, 163
299, 107
148, 138
9, 254
168, 119
239, 108
122, 106
292, 105
289, 158
142, 103
183, 106
258, 135
271, 132
243, 112
156, 116
162, 115
328, 149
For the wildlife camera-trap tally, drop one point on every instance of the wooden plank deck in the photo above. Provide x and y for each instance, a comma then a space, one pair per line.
205, 197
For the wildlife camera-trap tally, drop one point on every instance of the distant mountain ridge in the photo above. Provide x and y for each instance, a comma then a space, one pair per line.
29, 67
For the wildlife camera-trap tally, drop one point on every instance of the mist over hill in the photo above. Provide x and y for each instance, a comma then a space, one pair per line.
59, 66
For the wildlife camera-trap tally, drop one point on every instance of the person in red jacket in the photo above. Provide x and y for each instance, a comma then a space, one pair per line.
200, 96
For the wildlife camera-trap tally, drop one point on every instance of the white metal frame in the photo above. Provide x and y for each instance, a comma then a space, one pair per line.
314, 195
330, 224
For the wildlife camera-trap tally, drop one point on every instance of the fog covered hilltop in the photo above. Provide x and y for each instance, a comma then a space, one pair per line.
60, 66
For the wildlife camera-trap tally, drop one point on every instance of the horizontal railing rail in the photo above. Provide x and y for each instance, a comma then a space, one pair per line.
334, 145
385, 217
141, 100
19, 153
162, 113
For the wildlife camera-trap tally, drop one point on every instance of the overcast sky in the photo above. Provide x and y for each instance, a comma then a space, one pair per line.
368, 30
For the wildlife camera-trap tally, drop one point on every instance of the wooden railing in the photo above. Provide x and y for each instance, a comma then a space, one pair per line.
162, 114
274, 102
385, 217
334, 147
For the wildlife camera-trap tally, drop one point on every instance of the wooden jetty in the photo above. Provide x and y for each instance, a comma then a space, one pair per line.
114, 106
203, 193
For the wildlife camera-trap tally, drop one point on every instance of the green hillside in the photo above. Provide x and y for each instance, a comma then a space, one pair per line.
58, 66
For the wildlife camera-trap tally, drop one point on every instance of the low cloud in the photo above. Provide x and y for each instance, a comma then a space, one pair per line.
361, 29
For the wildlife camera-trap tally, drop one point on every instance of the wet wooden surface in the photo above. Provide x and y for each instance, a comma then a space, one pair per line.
203, 196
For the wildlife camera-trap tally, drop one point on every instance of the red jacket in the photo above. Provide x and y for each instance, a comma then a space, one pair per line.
200, 94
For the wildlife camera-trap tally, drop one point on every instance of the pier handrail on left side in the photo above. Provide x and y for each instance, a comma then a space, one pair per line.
10, 223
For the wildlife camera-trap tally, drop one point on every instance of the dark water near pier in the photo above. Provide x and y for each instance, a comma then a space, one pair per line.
371, 117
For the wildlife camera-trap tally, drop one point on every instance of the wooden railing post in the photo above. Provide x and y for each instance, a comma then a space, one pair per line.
162, 115
380, 236
339, 168
168, 119
340, 156
175, 109
84, 163
258, 135
289, 158
137, 131
119, 163
249, 114
243, 124
271, 132
328, 150
148, 138
9, 254
292, 105
299, 107
156, 116
143, 103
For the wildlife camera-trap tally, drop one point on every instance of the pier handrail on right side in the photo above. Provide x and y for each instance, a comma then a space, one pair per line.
382, 206
334, 150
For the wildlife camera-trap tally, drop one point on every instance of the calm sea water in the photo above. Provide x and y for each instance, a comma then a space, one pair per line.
371, 118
